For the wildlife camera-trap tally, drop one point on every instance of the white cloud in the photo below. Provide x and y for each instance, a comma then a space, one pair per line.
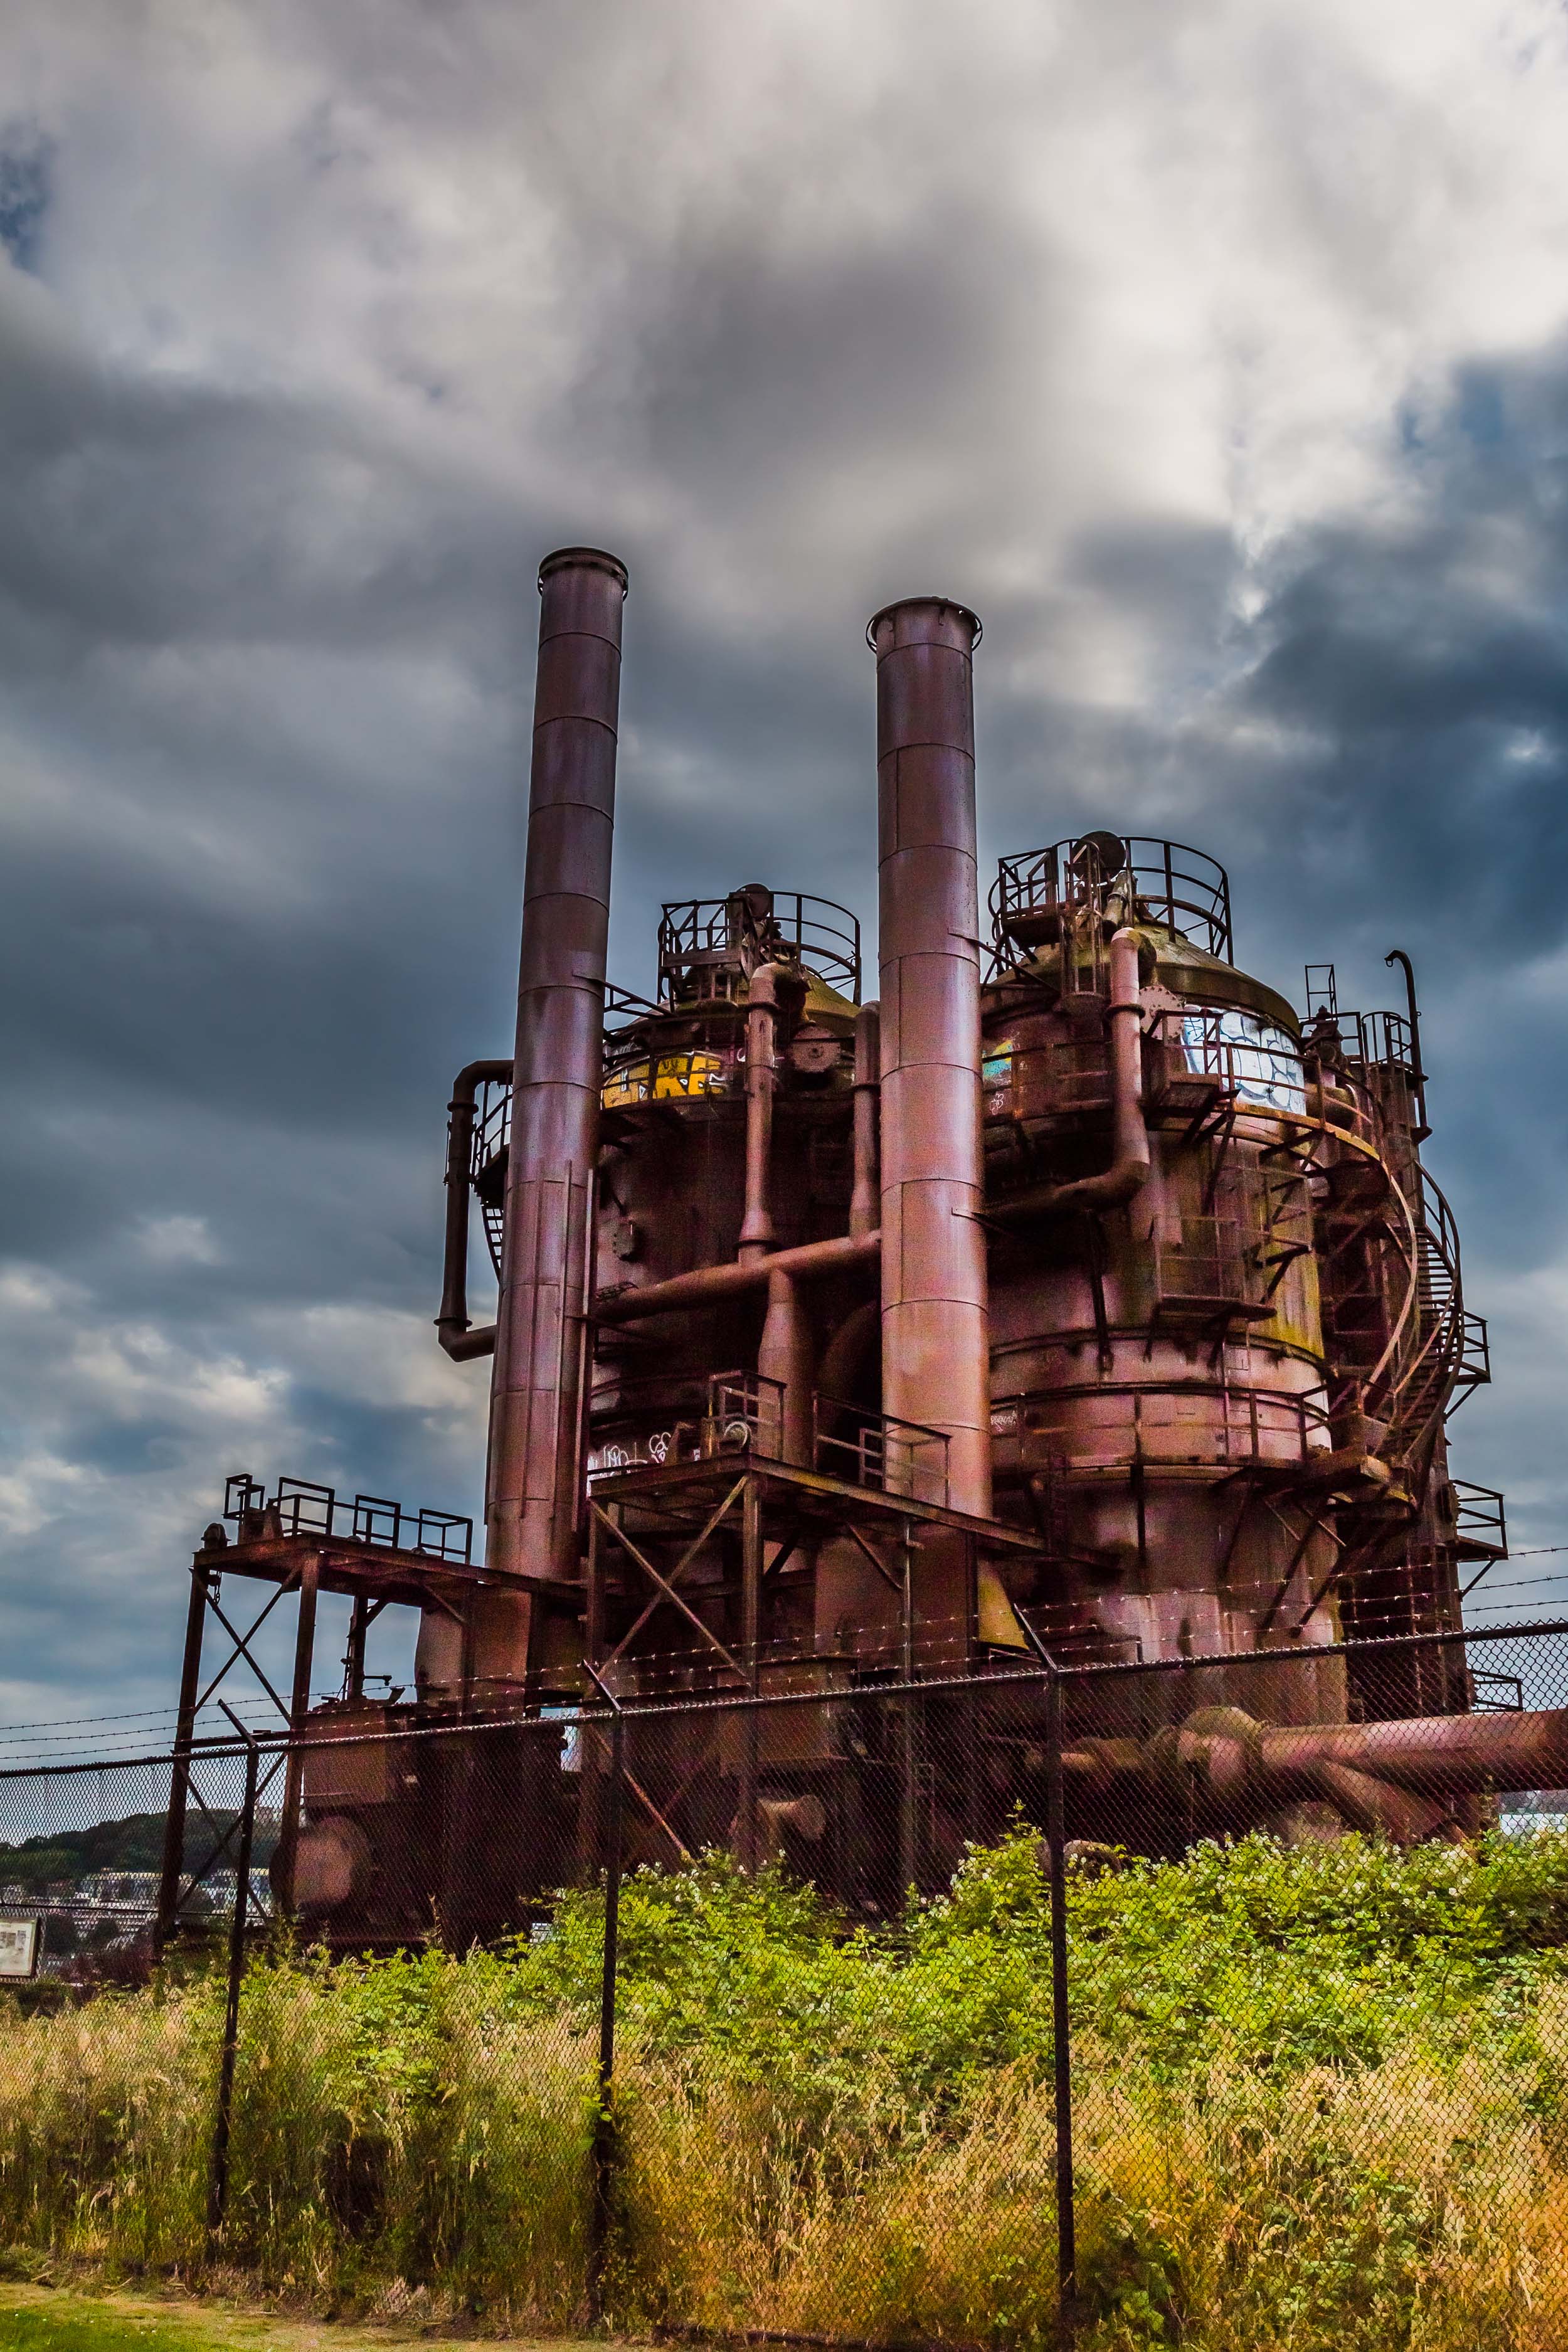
178, 1241
1090, 313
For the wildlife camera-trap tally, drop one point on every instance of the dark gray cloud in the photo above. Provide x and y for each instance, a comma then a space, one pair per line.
1217, 361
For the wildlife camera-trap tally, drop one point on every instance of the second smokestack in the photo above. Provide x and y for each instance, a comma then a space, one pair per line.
935, 1339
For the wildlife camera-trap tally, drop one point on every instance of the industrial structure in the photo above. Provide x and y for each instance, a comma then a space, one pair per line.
1076, 1293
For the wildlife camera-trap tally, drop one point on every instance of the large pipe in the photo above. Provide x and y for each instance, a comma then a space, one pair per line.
1396, 1777
935, 1333
784, 1355
452, 1323
536, 1388
706, 1284
1129, 1170
864, 1204
762, 1010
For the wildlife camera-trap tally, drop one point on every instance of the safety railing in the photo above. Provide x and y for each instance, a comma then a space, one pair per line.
303, 1507
1476, 1354
1163, 882
1265, 1429
879, 1450
658, 1423
1480, 1521
492, 1125
1237, 1055
733, 935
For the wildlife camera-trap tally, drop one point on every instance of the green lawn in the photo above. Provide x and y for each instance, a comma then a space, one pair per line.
48, 2319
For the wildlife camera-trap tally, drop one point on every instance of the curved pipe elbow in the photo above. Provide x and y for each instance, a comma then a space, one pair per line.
463, 1344
1123, 1182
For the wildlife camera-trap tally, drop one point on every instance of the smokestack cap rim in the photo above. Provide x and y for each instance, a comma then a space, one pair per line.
583, 559
902, 603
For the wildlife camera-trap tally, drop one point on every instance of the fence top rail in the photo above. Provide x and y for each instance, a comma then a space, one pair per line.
228, 1744
658, 1710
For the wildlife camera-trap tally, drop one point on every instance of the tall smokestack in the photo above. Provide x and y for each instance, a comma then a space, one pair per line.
536, 1388
935, 1335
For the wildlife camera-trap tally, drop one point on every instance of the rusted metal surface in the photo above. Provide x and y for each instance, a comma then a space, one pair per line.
1398, 1777
935, 1337
1129, 1171
1102, 1304
706, 1284
532, 1491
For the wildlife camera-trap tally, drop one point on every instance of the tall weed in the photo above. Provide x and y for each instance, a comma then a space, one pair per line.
1321, 2099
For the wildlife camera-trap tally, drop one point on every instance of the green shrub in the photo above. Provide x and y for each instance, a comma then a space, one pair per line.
1320, 2098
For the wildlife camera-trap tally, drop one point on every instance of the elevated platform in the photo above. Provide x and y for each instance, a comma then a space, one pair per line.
668, 1491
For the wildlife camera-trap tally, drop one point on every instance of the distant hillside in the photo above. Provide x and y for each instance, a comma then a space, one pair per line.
134, 1843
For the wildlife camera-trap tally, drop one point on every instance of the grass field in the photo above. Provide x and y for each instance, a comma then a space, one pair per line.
52, 2319
1321, 2100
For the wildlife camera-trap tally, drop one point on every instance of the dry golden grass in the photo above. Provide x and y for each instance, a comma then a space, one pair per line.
1282, 2145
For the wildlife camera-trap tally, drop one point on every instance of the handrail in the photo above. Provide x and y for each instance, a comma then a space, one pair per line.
304, 1506
882, 1451
743, 1413
698, 931
1036, 883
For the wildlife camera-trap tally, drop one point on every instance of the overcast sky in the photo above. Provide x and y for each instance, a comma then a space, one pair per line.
1217, 353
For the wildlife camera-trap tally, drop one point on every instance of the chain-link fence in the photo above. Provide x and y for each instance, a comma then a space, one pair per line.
1225, 1998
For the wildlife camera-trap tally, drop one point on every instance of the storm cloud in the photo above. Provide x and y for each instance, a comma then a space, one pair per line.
1217, 353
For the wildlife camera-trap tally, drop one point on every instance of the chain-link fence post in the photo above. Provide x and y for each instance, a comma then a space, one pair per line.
217, 2189
1061, 2045
605, 2149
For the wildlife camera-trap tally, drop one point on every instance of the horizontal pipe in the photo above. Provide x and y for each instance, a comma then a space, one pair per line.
1380, 1775
1129, 1171
466, 1346
706, 1284
1453, 1755
452, 1323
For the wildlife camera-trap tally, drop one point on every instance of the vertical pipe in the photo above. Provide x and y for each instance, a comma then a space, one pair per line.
785, 1354
557, 1074
863, 1199
217, 2187
1418, 1075
1061, 2046
762, 1084
935, 1338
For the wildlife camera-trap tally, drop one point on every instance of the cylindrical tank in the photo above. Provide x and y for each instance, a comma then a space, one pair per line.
1158, 1375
